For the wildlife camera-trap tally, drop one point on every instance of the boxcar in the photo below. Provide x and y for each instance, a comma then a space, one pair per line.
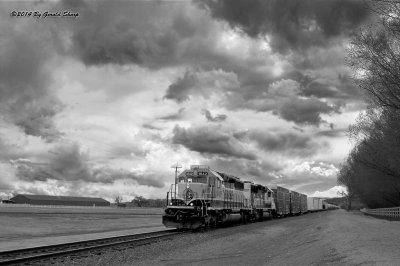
303, 203
282, 201
310, 204
319, 204
314, 204
295, 204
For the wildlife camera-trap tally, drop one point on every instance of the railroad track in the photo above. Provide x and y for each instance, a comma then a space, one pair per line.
38, 255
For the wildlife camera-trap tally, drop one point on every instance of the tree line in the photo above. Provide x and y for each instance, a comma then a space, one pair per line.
371, 171
141, 202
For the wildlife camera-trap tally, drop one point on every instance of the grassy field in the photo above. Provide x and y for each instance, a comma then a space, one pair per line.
24, 222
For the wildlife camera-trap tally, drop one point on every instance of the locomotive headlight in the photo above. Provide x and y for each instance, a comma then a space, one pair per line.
191, 204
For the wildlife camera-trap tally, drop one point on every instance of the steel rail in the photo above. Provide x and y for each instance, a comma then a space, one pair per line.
25, 255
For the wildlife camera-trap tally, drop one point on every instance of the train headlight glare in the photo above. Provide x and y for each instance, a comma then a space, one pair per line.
191, 204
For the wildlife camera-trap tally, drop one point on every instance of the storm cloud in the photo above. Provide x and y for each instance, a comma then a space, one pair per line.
138, 37
258, 171
293, 144
115, 96
147, 33
173, 117
216, 118
201, 83
293, 25
211, 140
68, 162
26, 99
9, 151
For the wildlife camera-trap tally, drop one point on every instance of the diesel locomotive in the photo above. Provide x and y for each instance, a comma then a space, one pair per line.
204, 197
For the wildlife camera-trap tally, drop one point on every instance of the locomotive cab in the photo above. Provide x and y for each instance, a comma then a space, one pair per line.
189, 199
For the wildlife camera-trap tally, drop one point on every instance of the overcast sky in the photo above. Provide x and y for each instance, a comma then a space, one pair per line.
103, 104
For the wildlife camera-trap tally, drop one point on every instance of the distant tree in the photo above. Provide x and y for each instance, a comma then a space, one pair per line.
374, 55
347, 177
118, 199
140, 201
372, 169
156, 203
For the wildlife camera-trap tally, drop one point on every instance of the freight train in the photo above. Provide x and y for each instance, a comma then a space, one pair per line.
204, 197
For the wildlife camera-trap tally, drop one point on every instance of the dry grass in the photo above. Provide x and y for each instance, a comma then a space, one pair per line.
28, 222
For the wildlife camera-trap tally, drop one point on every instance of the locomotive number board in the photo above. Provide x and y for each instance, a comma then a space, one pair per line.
199, 173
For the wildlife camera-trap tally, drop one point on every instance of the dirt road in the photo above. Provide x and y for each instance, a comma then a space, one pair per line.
326, 238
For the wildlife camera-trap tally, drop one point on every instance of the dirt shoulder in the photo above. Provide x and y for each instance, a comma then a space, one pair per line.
364, 239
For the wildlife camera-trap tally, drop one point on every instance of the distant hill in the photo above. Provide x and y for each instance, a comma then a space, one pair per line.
337, 201
356, 204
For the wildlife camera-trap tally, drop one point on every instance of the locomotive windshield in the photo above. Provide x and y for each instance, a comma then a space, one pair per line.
193, 179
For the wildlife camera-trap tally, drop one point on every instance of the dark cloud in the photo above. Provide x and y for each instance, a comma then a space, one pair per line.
320, 90
134, 33
293, 144
258, 171
125, 151
74, 4
202, 83
332, 133
151, 127
291, 24
297, 101
65, 162
304, 111
142, 33
284, 98
338, 88
240, 135
211, 140
116, 174
25, 97
162, 34
69, 163
178, 90
173, 117
210, 118
298, 129
8, 151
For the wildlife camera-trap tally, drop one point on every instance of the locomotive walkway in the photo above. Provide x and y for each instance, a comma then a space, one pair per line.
325, 238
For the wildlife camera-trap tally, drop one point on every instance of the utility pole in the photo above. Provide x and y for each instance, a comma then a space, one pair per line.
176, 166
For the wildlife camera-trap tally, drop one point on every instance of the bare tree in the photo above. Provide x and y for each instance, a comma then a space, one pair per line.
372, 167
347, 177
374, 55
371, 170
140, 201
118, 199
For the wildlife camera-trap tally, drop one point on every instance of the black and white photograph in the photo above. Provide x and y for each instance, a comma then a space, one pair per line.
200, 132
